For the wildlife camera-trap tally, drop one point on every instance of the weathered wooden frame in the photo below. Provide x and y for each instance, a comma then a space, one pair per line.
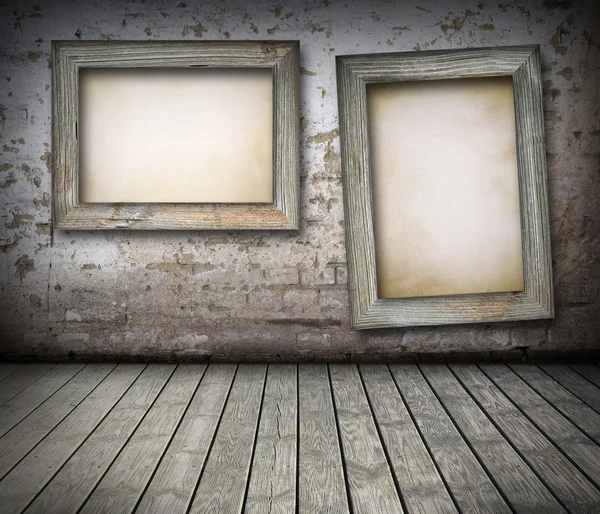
281, 56
522, 63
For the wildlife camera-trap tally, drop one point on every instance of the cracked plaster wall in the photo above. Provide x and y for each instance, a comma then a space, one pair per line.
261, 295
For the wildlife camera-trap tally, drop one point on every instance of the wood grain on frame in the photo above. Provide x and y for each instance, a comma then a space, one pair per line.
367, 308
281, 58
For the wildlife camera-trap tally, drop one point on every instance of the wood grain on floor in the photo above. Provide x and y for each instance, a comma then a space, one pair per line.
299, 439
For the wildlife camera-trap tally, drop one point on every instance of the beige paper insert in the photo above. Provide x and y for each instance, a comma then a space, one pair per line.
176, 135
445, 187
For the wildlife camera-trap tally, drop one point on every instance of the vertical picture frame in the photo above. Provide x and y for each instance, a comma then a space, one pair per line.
529, 294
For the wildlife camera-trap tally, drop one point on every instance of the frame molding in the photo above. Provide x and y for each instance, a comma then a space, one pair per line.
69, 56
522, 63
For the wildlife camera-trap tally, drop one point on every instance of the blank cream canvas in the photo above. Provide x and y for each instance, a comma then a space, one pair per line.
176, 135
445, 187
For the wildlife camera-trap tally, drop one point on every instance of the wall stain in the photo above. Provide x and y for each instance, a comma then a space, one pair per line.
566, 72
33, 56
400, 29
11, 149
42, 229
43, 202
19, 220
197, 29
7, 247
558, 4
9, 181
304, 71
331, 161
18, 18
324, 137
47, 158
487, 26
35, 14
558, 39
24, 266
457, 23
274, 29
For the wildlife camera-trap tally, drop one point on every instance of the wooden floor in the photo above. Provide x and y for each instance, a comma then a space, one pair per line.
292, 439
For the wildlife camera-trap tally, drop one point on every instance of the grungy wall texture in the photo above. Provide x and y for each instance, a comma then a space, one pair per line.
225, 295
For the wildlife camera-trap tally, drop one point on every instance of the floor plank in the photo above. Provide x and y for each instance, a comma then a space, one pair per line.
77, 478
272, 487
589, 371
469, 483
20, 486
32, 396
524, 495
8, 368
371, 484
580, 414
21, 378
304, 439
582, 450
420, 483
575, 383
30, 431
172, 487
575, 492
321, 483
125, 481
222, 485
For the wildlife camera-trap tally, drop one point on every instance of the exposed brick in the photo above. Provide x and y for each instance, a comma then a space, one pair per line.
333, 299
341, 275
325, 277
300, 301
265, 300
226, 301
282, 276
270, 294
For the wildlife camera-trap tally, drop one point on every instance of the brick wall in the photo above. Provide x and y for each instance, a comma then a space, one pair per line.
261, 295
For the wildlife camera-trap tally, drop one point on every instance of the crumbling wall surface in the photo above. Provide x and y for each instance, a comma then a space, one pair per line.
263, 295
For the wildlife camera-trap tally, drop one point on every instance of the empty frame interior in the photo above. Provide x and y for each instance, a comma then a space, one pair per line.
445, 187
181, 135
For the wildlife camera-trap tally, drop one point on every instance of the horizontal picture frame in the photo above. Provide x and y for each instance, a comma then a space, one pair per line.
135, 146
445, 187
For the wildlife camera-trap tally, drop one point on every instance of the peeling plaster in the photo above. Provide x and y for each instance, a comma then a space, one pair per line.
227, 295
